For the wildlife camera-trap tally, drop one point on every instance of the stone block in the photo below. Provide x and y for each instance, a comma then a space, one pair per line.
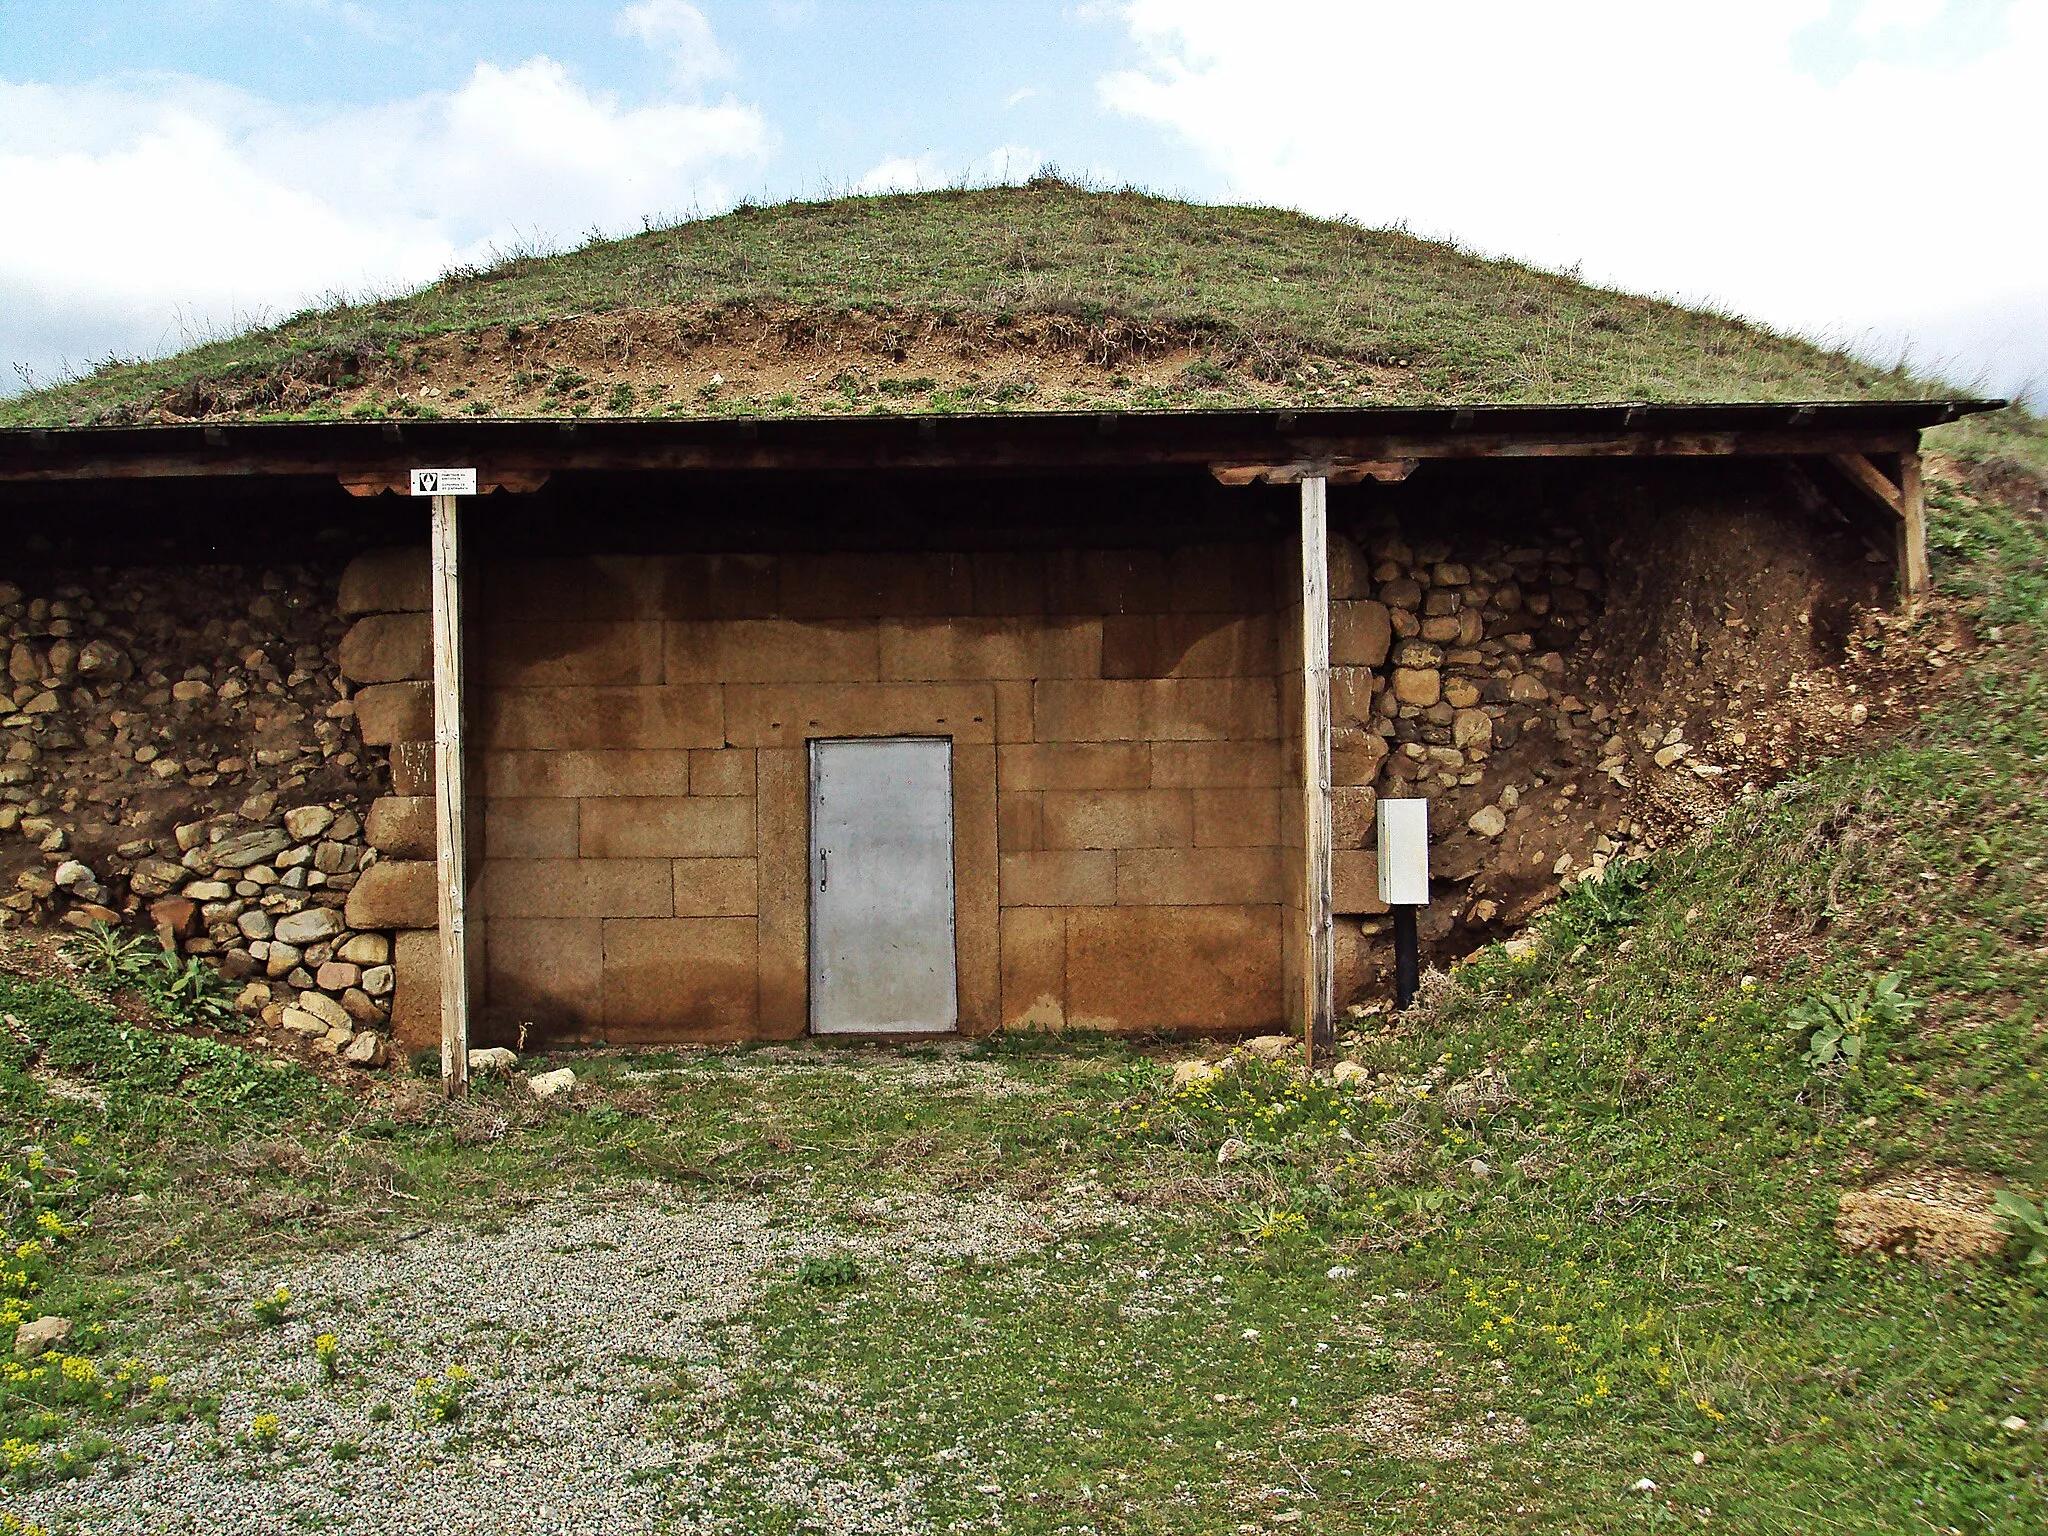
1352, 690
1167, 709
1197, 877
1354, 812
600, 719
1034, 979
771, 651
549, 971
719, 586
412, 768
665, 827
389, 648
416, 990
1417, 686
577, 888
317, 923
402, 826
1068, 878
568, 587
1090, 581
1020, 823
1215, 764
977, 649
1194, 968
388, 581
1236, 818
395, 893
784, 715
845, 585
1360, 634
1355, 757
782, 831
1008, 581
1073, 765
530, 829
392, 712
1219, 578
1355, 882
692, 973
715, 887
366, 950
722, 771
1013, 712
1189, 645
1118, 818
1350, 571
568, 654
586, 774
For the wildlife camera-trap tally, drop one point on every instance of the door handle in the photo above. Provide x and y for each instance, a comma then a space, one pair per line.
824, 866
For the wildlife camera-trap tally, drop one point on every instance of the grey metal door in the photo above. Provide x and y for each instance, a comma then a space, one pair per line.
882, 886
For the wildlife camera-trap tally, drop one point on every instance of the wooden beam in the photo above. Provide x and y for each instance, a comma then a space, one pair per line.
1317, 835
1300, 471
1916, 575
450, 855
1868, 478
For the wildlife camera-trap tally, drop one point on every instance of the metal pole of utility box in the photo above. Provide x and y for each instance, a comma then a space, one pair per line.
449, 853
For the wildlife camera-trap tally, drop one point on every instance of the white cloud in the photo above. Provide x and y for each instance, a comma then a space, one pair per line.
1018, 97
902, 173
1007, 163
137, 201
1671, 148
680, 30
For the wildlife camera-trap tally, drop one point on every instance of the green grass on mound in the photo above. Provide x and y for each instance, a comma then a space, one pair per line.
1279, 306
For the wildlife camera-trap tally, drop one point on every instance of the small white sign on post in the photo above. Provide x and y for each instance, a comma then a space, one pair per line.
444, 482
1404, 852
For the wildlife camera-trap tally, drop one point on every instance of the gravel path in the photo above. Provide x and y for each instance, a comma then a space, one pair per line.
567, 1319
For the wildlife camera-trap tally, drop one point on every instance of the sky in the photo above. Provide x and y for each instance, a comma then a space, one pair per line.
1853, 170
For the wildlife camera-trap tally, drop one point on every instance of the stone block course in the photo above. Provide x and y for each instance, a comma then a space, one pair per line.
578, 888
1215, 764
1066, 878
722, 771
1074, 765
990, 649
665, 827
1118, 818
1189, 645
715, 887
1169, 709
1205, 968
593, 719
783, 715
581, 774
1236, 818
695, 973
1034, 968
530, 829
872, 586
772, 651
547, 970
1197, 877
568, 654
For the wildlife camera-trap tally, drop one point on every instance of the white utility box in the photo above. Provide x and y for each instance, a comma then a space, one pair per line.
1404, 852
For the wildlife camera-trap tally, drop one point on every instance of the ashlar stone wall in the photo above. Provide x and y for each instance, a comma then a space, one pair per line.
641, 727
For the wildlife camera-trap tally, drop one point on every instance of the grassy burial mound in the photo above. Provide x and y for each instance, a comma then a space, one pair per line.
1713, 1202
1046, 296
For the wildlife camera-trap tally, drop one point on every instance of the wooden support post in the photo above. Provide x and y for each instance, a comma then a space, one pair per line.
1916, 576
1319, 960
450, 855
